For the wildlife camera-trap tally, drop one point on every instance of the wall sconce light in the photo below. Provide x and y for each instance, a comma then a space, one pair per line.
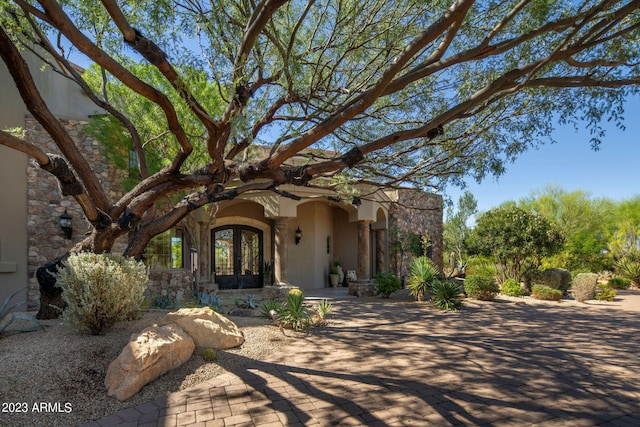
65, 225
298, 235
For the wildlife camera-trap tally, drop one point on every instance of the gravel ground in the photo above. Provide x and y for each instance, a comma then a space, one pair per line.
66, 370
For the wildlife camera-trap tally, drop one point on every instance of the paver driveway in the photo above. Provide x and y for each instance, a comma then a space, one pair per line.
403, 363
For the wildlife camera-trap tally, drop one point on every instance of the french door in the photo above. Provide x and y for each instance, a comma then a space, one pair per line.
237, 257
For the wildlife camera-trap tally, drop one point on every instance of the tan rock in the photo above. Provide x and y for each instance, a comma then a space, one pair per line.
207, 328
149, 354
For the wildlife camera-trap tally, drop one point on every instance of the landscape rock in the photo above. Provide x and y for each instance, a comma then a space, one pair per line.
207, 328
149, 354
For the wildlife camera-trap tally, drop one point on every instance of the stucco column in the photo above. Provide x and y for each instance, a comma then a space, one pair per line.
280, 259
363, 250
380, 252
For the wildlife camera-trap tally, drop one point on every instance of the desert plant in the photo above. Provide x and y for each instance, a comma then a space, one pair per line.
324, 307
512, 288
247, 302
100, 290
210, 300
209, 355
163, 301
445, 295
386, 284
618, 283
629, 267
422, 275
5, 312
546, 293
483, 288
293, 313
270, 308
584, 286
607, 295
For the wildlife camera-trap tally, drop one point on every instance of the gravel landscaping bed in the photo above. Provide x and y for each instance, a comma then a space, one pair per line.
56, 376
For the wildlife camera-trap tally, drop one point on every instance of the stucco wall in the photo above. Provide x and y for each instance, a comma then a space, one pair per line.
13, 224
345, 240
309, 261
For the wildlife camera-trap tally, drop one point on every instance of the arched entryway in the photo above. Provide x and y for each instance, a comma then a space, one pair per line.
237, 257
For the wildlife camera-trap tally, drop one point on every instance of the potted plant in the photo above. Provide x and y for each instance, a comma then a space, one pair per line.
334, 277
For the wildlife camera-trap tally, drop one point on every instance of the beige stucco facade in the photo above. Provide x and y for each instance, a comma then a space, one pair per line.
359, 235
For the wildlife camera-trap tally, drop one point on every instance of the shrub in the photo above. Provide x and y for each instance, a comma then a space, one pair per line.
100, 290
512, 288
386, 284
324, 307
209, 355
584, 286
423, 274
483, 288
607, 295
629, 267
211, 300
619, 283
554, 278
445, 295
270, 308
293, 313
546, 293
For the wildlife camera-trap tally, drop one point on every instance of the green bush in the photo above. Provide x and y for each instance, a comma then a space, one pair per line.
445, 295
100, 290
629, 266
546, 293
386, 284
324, 307
619, 283
512, 288
209, 355
271, 308
483, 288
423, 274
293, 313
607, 295
584, 286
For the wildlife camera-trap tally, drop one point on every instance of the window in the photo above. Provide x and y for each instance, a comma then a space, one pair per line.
165, 250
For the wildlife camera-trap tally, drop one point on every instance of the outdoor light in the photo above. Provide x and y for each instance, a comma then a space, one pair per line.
298, 235
65, 224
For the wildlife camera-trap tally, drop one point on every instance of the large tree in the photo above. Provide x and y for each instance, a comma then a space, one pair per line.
391, 93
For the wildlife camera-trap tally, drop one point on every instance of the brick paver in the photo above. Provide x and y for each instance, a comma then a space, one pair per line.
386, 363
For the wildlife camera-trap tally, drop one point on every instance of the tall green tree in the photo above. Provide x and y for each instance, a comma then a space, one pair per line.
457, 229
585, 222
382, 92
517, 240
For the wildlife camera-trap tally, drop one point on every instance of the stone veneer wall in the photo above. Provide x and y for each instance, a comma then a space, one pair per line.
420, 213
45, 204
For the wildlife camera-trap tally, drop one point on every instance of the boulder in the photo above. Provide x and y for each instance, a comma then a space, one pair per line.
207, 328
149, 354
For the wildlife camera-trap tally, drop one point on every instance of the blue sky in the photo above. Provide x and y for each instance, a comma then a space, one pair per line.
612, 172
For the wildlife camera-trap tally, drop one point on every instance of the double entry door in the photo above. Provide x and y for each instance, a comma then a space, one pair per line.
237, 257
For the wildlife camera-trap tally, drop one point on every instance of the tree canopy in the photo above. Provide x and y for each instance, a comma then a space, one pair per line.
517, 239
241, 96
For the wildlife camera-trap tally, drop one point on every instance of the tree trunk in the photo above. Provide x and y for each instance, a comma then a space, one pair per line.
51, 303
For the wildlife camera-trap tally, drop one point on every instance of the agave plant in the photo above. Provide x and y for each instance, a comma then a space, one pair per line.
423, 275
445, 295
6, 310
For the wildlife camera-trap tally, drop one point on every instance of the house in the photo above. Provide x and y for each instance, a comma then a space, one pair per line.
255, 240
